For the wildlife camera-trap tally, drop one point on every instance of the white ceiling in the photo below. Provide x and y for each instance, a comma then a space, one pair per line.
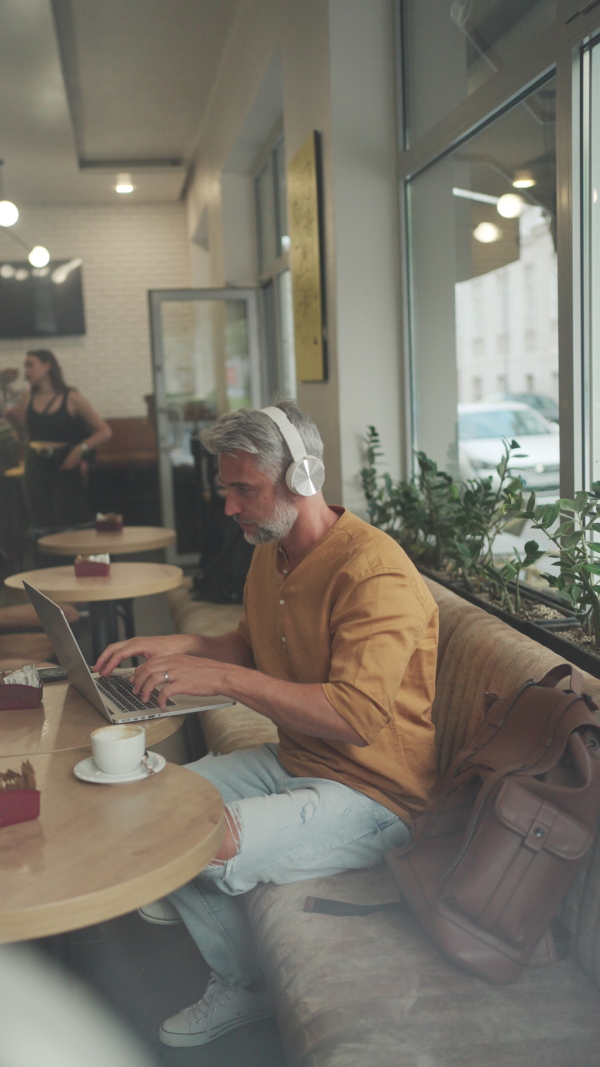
93, 87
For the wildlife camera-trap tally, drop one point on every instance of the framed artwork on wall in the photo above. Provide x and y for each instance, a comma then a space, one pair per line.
306, 260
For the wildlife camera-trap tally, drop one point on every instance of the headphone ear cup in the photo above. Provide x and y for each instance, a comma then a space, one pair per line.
305, 477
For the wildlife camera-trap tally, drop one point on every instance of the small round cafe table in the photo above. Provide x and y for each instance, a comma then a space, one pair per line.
125, 581
118, 542
99, 851
64, 720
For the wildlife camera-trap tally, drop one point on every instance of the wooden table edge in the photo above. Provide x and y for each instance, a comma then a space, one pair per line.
78, 912
176, 720
78, 595
51, 549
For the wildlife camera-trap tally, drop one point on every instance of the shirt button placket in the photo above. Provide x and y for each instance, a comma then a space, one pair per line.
281, 600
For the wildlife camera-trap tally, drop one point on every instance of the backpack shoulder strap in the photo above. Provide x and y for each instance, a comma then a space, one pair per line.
556, 674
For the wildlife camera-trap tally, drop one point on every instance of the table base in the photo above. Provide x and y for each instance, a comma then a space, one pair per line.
104, 623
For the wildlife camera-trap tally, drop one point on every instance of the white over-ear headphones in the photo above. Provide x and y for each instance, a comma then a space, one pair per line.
306, 474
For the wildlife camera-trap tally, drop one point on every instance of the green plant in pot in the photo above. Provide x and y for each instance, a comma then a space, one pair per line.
506, 577
572, 526
486, 512
421, 513
392, 506
451, 526
443, 510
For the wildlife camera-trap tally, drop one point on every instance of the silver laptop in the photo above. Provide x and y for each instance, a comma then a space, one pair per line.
113, 697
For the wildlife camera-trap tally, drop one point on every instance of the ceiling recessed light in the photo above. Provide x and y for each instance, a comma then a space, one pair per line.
523, 179
124, 183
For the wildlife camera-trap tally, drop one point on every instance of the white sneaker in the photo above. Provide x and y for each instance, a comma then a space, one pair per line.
160, 912
221, 1009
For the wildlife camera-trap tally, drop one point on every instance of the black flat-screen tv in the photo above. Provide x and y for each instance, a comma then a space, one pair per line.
41, 301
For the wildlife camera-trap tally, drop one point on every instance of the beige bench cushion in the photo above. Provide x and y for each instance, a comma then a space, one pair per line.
227, 729
24, 617
18, 649
199, 617
480, 654
373, 990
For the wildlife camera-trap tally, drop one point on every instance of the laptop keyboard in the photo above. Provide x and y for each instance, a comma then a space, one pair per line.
120, 691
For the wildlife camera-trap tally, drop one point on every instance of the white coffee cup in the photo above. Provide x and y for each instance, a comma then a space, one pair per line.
119, 749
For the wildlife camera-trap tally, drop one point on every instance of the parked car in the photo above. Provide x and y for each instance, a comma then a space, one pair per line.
545, 405
484, 428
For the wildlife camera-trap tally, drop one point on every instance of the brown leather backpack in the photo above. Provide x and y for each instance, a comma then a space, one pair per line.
486, 872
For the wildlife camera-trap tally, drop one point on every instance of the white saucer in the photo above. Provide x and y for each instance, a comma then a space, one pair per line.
88, 771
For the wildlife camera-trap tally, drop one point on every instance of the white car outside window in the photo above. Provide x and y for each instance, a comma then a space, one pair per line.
483, 430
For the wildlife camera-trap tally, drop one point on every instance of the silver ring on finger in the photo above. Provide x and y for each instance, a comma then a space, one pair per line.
167, 678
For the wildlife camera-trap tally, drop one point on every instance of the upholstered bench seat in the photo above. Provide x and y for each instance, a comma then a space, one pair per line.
18, 617
373, 990
18, 649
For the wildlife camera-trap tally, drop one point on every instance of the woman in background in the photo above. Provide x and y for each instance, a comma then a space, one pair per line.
61, 428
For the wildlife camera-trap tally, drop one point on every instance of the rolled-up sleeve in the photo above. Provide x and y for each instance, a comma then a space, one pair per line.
377, 625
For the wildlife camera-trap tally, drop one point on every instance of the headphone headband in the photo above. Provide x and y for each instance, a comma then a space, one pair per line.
305, 474
288, 432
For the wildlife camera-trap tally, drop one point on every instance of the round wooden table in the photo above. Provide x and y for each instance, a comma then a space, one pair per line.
97, 851
125, 581
91, 542
64, 720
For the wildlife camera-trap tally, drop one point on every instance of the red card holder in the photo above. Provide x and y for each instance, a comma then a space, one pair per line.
19, 805
91, 568
18, 697
109, 525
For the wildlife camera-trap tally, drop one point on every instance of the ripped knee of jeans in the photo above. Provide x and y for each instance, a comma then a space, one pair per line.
233, 837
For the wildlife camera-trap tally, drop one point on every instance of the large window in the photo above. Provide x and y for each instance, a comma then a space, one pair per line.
452, 47
500, 172
484, 257
275, 278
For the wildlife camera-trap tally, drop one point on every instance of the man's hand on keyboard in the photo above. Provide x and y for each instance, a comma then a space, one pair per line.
143, 646
181, 674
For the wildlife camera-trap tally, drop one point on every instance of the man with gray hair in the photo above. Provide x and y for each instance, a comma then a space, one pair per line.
337, 646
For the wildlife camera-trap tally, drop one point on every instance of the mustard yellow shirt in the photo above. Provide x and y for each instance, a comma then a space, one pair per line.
356, 616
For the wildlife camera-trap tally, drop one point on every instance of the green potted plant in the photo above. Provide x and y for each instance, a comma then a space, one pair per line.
449, 529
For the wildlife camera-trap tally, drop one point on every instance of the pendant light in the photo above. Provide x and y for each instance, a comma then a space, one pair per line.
9, 212
38, 256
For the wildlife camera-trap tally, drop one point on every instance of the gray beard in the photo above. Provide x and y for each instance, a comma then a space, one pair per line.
280, 523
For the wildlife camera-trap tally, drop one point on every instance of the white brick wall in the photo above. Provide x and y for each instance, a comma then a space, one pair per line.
126, 249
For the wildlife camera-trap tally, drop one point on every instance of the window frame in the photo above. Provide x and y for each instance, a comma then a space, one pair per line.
269, 273
559, 53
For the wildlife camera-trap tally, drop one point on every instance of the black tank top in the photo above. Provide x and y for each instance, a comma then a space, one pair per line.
57, 425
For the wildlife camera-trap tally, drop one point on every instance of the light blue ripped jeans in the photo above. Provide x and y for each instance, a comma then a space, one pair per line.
289, 829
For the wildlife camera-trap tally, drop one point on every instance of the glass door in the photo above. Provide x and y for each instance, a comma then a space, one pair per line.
205, 363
